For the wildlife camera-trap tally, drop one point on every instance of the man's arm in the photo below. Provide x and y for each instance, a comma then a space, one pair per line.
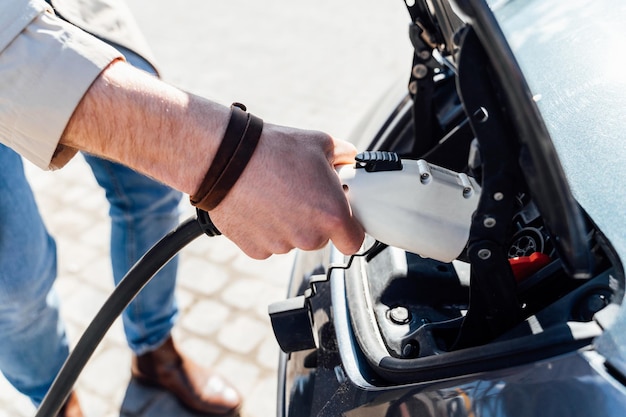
132, 118
288, 196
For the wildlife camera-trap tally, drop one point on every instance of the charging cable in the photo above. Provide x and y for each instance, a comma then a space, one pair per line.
138, 276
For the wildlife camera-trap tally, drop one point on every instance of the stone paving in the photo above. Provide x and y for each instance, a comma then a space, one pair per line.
314, 65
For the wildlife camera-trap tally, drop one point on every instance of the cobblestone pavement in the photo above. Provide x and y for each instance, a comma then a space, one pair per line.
314, 65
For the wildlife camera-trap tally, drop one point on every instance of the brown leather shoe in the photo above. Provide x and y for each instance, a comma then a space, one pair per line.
196, 388
71, 408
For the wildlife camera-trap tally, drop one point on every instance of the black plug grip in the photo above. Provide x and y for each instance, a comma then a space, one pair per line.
376, 161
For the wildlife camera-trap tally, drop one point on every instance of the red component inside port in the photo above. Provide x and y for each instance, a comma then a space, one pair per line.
525, 266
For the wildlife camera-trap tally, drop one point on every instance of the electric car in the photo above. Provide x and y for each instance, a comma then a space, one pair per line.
517, 108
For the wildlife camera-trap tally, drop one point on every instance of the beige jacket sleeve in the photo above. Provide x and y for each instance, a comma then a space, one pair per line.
46, 66
109, 20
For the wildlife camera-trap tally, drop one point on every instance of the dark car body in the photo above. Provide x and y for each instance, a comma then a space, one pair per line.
529, 98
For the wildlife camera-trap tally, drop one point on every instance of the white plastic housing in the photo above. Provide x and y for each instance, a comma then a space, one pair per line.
424, 208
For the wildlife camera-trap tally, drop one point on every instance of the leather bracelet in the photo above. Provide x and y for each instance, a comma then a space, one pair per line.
240, 140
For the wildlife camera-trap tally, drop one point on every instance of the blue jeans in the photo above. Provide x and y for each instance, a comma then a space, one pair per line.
33, 344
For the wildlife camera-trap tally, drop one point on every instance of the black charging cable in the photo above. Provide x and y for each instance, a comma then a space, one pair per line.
128, 288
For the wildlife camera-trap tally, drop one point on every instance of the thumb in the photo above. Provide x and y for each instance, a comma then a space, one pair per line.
343, 152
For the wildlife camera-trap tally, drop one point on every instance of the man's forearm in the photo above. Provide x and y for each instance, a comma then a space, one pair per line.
133, 118
137, 120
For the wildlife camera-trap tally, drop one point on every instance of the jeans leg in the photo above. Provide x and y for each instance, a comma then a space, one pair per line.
142, 211
33, 344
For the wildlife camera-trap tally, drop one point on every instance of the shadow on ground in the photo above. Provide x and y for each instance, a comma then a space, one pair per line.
143, 401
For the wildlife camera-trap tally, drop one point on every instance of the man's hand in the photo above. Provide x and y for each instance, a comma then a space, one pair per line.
288, 196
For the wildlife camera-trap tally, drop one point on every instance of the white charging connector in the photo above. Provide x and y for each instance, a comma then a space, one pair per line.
416, 206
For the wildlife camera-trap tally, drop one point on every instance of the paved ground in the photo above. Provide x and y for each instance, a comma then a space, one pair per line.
307, 64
